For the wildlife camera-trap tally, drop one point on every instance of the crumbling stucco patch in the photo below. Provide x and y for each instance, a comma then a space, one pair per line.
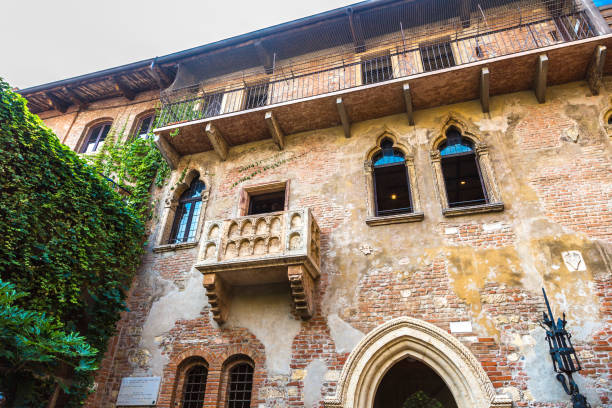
313, 382
172, 305
345, 336
266, 312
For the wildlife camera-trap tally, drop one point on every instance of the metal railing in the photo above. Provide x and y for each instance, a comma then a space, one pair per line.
401, 60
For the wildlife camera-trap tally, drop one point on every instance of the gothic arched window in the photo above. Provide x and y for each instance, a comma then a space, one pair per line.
391, 181
95, 137
461, 171
187, 213
194, 388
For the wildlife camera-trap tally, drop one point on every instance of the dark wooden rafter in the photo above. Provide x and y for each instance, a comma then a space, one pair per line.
57, 103
465, 7
124, 88
356, 30
266, 58
75, 98
160, 76
541, 76
484, 89
275, 130
408, 103
344, 118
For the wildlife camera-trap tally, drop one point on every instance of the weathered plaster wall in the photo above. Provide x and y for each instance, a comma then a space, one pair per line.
553, 166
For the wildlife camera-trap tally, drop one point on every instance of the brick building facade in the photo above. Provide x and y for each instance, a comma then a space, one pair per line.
367, 223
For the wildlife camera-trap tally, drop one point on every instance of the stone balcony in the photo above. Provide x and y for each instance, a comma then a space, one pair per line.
259, 250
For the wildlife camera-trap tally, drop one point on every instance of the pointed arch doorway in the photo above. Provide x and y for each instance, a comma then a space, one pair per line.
404, 344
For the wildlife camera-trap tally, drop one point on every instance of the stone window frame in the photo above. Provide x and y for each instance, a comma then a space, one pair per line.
224, 382
171, 204
86, 131
481, 151
417, 213
181, 375
255, 189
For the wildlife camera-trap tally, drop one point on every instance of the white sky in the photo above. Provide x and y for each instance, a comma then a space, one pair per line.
46, 40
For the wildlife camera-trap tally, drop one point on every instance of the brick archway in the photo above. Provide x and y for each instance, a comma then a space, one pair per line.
405, 337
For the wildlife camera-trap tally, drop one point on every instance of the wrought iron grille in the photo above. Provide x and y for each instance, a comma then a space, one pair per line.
195, 387
240, 386
403, 40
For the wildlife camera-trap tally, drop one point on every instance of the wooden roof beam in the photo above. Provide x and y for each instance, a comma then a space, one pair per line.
408, 103
596, 69
275, 130
217, 140
540, 78
122, 87
160, 76
265, 57
75, 98
484, 89
356, 30
57, 103
346, 122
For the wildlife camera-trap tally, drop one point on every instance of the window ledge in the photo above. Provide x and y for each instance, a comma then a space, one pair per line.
394, 219
175, 247
473, 209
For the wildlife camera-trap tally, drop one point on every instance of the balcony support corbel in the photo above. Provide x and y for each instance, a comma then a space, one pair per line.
57, 103
167, 151
596, 67
217, 140
346, 122
484, 89
218, 296
540, 78
302, 290
408, 103
275, 130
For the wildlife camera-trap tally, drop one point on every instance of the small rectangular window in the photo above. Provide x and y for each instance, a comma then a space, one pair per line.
376, 69
256, 95
437, 56
266, 202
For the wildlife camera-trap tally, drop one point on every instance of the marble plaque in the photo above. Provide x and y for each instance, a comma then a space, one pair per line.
138, 391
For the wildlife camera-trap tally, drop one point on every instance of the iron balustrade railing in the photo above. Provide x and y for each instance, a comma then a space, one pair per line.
400, 61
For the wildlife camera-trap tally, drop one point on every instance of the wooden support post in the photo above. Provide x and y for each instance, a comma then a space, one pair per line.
540, 78
122, 87
167, 151
217, 140
75, 98
57, 103
484, 89
275, 130
465, 7
346, 123
408, 102
596, 67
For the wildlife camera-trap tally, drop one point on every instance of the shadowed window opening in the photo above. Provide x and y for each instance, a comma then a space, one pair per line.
145, 125
437, 56
256, 95
610, 120
240, 386
376, 69
187, 213
462, 178
195, 387
267, 202
96, 138
412, 384
391, 184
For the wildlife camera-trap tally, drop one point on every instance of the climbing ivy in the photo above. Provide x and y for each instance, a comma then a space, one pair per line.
67, 236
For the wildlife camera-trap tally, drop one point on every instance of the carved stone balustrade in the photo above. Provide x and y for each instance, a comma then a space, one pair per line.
261, 249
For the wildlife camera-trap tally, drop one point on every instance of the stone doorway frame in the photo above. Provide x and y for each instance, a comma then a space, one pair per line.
405, 337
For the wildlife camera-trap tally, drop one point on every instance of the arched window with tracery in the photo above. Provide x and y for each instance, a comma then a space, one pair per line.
463, 173
391, 181
187, 213
194, 387
391, 184
462, 176
240, 385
